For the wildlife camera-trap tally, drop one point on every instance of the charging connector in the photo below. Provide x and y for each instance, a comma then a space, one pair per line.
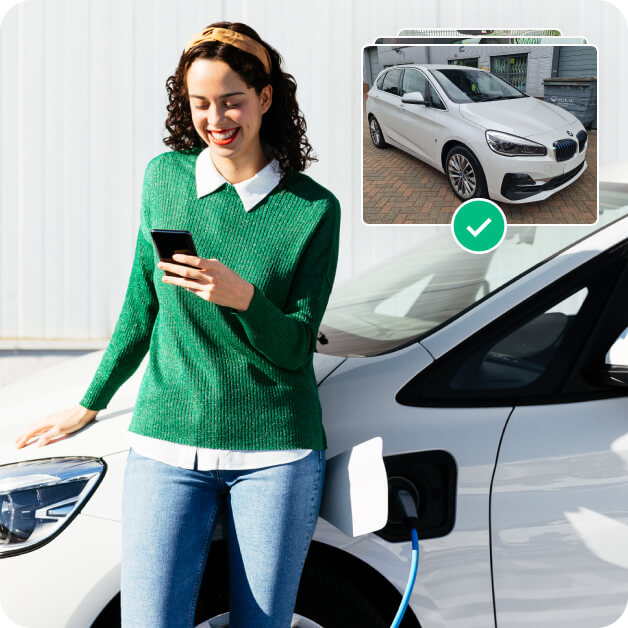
409, 507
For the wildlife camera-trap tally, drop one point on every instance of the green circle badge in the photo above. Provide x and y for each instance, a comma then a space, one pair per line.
478, 225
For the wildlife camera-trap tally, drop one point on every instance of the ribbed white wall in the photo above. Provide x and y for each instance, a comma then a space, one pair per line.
82, 108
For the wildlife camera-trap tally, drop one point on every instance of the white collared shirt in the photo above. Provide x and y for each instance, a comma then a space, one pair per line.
251, 192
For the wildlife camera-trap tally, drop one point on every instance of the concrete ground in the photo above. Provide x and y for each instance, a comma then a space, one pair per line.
400, 189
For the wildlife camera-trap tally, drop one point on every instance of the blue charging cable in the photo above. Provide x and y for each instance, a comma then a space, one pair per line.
409, 507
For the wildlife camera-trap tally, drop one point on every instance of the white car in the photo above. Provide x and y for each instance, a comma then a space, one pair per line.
498, 385
489, 138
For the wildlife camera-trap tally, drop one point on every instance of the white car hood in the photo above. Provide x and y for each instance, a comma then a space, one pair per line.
525, 117
32, 398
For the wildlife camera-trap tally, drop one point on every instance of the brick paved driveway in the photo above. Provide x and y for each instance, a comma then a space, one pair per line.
399, 189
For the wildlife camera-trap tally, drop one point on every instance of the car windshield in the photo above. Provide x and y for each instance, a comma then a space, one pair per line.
466, 85
405, 297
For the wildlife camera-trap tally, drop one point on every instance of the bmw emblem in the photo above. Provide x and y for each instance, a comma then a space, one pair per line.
570, 133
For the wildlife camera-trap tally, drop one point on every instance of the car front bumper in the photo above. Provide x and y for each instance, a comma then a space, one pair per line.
522, 187
66, 582
528, 179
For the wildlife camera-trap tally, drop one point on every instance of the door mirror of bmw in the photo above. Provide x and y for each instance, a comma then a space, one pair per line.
615, 370
413, 98
609, 375
618, 353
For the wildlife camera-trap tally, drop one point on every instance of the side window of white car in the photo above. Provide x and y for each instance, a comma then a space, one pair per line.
520, 357
549, 348
433, 97
380, 81
413, 81
391, 82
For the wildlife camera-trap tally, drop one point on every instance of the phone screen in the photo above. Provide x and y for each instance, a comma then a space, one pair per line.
170, 241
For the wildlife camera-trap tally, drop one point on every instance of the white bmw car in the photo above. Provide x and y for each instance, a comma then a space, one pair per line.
498, 385
489, 138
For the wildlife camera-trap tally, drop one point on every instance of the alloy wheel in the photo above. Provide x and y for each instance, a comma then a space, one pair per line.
222, 621
376, 133
462, 175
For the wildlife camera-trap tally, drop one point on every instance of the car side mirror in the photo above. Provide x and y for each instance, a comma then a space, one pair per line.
616, 376
413, 98
614, 372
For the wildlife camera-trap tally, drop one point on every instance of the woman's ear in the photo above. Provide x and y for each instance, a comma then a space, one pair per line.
266, 98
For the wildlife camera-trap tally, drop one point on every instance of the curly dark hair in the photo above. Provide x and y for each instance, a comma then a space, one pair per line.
282, 132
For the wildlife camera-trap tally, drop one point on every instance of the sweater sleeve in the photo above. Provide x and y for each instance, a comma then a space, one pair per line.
288, 338
131, 337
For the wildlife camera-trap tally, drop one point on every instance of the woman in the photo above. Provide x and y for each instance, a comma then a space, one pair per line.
228, 410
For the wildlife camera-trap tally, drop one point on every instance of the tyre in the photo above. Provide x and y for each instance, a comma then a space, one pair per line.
465, 174
376, 133
332, 600
326, 599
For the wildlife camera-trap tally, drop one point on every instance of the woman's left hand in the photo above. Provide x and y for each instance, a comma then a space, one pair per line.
209, 279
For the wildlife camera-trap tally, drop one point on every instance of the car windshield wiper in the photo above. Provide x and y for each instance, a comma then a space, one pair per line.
488, 98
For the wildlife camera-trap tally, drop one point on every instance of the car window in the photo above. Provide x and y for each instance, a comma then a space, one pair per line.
467, 85
487, 86
413, 81
391, 82
434, 98
541, 351
380, 81
520, 357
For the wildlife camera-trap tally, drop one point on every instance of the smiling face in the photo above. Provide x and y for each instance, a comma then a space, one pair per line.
227, 114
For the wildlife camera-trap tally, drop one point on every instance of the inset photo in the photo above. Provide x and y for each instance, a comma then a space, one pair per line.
443, 124
484, 35
470, 36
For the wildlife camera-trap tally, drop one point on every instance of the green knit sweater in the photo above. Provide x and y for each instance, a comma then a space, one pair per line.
218, 377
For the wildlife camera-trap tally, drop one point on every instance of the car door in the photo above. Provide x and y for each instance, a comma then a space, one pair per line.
559, 499
374, 96
413, 124
388, 101
441, 124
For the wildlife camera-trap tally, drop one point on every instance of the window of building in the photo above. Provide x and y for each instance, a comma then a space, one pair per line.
512, 68
471, 62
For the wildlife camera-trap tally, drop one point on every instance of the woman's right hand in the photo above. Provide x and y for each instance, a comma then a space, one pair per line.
55, 425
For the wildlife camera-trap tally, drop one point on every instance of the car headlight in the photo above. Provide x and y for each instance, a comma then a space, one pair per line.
39, 498
511, 145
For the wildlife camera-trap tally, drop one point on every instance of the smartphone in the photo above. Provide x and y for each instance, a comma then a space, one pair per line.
170, 241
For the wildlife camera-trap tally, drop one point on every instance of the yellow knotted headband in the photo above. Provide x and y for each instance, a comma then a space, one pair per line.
239, 40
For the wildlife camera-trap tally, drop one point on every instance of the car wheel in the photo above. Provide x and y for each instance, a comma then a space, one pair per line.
326, 599
465, 174
222, 621
376, 133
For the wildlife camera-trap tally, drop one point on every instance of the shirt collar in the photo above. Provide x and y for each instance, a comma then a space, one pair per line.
251, 191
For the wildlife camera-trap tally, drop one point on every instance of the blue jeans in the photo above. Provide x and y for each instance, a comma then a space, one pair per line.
168, 519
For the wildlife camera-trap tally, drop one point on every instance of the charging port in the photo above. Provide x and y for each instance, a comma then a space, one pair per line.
430, 479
